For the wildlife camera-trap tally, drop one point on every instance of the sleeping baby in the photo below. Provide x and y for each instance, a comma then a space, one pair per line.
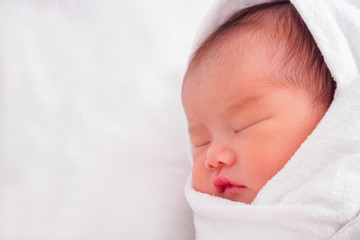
253, 91
275, 148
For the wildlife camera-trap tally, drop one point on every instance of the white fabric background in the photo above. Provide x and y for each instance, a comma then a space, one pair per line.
92, 133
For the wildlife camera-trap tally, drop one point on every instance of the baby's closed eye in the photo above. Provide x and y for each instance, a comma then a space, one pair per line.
201, 144
199, 140
245, 126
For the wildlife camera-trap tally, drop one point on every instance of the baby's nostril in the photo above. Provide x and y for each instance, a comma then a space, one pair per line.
208, 166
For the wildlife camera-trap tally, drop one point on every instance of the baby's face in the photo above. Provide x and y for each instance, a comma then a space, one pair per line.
243, 130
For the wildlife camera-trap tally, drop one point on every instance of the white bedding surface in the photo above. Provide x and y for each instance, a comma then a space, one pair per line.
92, 133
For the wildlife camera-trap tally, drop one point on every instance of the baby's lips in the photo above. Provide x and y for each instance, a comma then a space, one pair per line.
219, 180
222, 183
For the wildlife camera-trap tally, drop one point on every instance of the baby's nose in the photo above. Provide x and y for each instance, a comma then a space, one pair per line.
220, 158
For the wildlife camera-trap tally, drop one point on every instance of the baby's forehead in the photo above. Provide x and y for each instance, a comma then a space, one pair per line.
225, 85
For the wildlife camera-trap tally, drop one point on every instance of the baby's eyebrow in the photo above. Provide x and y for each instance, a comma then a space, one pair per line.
243, 103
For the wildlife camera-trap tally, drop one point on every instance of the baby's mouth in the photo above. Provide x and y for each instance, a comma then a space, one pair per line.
222, 184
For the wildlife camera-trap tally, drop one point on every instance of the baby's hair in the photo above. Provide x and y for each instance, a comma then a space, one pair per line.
301, 62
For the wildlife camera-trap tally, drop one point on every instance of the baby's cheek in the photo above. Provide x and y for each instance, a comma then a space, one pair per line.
264, 153
259, 142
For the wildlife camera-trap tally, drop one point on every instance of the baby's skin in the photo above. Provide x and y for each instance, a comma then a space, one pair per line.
243, 127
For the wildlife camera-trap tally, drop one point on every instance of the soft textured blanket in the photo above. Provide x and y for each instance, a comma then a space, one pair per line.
317, 194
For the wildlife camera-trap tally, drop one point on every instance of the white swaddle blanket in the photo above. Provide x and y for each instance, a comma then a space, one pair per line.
317, 194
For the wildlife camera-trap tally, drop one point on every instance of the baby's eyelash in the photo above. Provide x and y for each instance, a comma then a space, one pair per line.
236, 131
242, 129
203, 144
